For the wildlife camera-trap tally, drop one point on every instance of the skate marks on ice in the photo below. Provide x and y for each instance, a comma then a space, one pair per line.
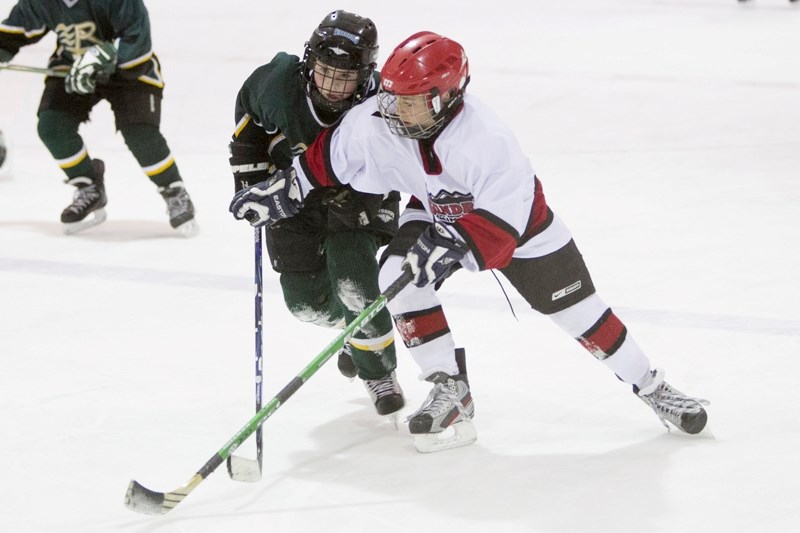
534, 491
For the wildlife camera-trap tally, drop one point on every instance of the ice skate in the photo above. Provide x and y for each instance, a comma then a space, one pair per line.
88, 202
386, 394
345, 363
180, 209
671, 405
445, 419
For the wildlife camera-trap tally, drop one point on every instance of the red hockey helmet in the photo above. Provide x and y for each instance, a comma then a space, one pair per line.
422, 84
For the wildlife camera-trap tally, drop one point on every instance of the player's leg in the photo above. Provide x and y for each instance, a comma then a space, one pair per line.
353, 270
60, 116
558, 284
443, 420
138, 119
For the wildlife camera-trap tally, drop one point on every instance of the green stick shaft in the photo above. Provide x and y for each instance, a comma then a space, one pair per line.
144, 500
335, 345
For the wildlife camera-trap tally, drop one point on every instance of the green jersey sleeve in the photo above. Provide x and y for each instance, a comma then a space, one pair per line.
23, 26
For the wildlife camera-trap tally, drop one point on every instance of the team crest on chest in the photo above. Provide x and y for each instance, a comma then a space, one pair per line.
448, 207
76, 38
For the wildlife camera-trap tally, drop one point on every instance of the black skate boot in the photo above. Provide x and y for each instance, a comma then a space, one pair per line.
671, 405
449, 405
179, 208
345, 363
386, 394
89, 199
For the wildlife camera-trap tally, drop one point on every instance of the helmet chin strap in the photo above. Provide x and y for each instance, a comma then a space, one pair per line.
325, 109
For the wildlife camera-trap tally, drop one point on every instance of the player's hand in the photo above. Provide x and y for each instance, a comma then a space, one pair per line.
435, 255
96, 64
270, 201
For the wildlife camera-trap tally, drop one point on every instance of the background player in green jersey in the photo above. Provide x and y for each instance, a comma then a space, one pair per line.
103, 47
326, 255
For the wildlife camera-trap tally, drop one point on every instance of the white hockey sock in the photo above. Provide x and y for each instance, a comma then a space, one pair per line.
628, 362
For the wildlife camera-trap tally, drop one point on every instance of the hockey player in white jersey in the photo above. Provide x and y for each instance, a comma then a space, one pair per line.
476, 203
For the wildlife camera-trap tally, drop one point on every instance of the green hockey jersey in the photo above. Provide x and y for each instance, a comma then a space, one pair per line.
79, 24
273, 110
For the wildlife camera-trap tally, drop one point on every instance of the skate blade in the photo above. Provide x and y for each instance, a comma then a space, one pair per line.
394, 419
92, 219
188, 228
462, 434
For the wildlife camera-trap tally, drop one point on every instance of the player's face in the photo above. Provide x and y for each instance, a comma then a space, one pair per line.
333, 83
414, 111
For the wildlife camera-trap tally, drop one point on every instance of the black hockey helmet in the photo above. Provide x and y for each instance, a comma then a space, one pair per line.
342, 40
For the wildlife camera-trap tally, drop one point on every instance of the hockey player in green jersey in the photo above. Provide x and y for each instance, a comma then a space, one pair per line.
104, 48
326, 255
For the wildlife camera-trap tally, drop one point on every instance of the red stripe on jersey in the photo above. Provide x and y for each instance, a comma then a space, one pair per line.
315, 161
539, 213
605, 337
420, 327
415, 203
489, 238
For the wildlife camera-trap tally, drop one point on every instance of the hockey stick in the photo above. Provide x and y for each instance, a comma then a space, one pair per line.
36, 70
240, 468
143, 500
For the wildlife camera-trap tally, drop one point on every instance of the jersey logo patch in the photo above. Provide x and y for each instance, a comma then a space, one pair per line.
77, 38
447, 207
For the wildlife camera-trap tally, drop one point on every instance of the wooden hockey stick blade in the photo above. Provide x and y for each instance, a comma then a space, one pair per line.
143, 500
243, 469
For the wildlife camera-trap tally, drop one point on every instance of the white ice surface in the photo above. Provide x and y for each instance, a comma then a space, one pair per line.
667, 135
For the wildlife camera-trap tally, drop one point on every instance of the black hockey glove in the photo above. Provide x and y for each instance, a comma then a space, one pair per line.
96, 64
351, 209
250, 164
435, 255
269, 202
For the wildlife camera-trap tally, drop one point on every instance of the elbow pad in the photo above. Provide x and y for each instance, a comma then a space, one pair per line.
250, 164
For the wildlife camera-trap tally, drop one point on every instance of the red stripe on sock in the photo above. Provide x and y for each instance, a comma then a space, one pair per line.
422, 326
604, 338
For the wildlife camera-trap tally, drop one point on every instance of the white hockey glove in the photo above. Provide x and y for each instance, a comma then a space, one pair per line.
435, 255
96, 64
270, 201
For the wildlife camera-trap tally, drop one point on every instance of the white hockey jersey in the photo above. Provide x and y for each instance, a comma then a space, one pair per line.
473, 177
